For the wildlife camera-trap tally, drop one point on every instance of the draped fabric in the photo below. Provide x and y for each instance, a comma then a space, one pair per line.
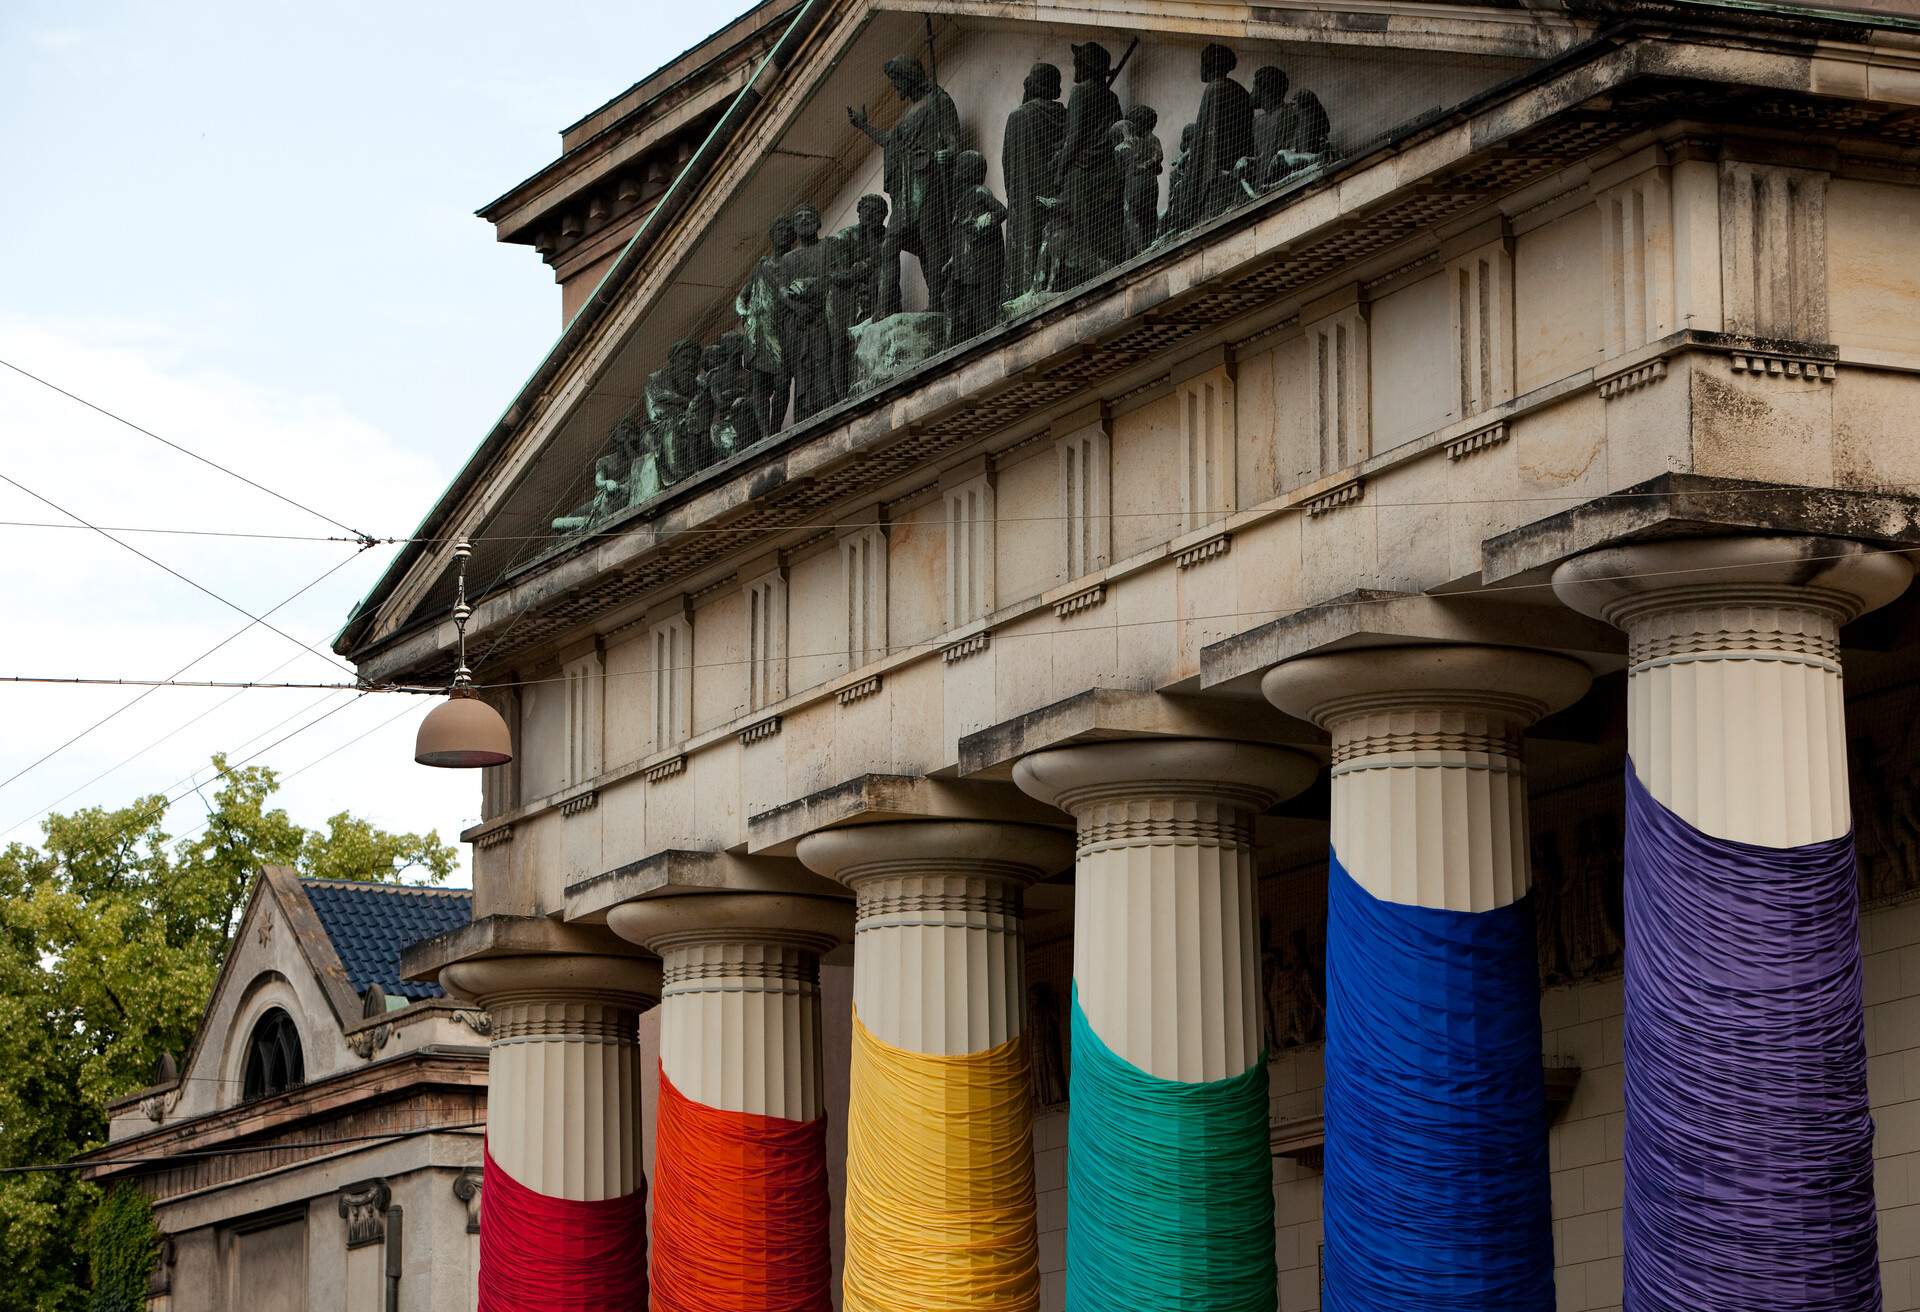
1749, 1171
1169, 1187
940, 1201
541, 1254
739, 1210
1436, 1194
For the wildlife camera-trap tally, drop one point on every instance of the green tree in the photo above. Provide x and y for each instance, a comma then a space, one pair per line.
111, 933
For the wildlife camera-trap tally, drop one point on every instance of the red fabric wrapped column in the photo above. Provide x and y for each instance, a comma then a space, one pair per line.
563, 1204
542, 1254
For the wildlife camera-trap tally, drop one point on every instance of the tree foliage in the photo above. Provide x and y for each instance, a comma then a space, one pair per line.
111, 933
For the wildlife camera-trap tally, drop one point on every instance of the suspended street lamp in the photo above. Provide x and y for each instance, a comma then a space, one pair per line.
463, 732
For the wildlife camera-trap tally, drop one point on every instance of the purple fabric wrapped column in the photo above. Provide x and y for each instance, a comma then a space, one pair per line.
1749, 1146
1749, 1149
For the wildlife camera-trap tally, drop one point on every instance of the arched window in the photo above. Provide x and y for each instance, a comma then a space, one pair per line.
274, 1063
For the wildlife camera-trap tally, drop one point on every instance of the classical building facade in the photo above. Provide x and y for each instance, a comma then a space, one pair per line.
1192, 657
319, 1144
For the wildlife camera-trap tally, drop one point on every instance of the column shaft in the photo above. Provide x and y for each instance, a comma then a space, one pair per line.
940, 1198
1169, 1178
1749, 1172
740, 1206
1436, 1191
564, 1201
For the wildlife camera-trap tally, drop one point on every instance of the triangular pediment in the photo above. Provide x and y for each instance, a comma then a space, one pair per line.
279, 956
539, 484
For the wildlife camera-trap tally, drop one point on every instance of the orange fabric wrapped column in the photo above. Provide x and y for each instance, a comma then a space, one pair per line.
740, 1209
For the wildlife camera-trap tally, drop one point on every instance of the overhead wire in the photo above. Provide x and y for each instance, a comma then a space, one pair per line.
1569, 498
999, 635
252, 621
197, 586
362, 538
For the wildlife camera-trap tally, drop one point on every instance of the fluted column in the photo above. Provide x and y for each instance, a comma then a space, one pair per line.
940, 1201
740, 1208
1749, 1146
563, 1125
1436, 1188
1169, 1178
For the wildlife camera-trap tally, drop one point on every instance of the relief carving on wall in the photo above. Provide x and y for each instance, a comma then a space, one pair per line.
823, 316
364, 1208
1882, 762
1292, 988
1578, 916
466, 1187
1047, 1046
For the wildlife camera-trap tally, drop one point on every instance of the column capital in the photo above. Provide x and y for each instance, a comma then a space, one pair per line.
793, 920
1837, 576
1017, 854
1250, 775
1516, 684
631, 983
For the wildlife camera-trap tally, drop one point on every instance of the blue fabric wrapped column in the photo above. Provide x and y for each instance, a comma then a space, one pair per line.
1169, 1168
1749, 1146
1436, 1187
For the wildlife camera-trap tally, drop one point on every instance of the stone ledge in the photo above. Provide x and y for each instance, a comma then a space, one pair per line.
872, 797
1688, 505
580, 802
1397, 619
680, 871
510, 936
1101, 714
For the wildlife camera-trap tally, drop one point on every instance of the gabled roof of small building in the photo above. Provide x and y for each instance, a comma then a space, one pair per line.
371, 924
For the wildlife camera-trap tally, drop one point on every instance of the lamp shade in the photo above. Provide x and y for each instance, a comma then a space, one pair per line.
463, 733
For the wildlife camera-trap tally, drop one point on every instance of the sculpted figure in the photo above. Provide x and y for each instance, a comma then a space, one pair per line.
1311, 137
804, 279
678, 413
1182, 200
1087, 182
1593, 913
854, 258
1028, 151
1139, 153
762, 314
917, 154
1549, 916
729, 387
1048, 1052
978, 272
1223, 135
1274, 122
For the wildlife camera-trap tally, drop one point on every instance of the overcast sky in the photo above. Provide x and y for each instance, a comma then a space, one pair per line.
248, 227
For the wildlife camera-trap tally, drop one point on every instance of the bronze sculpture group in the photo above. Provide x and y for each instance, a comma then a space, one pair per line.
821, 316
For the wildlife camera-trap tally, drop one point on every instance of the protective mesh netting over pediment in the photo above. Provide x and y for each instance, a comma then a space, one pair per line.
924, 196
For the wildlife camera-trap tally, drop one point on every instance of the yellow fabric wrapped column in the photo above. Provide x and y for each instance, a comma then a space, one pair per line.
939, 1195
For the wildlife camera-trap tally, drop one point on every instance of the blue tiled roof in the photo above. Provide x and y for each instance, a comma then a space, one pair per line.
371, 924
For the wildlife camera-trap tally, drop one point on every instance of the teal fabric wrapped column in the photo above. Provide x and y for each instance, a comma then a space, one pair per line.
1169, 1170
